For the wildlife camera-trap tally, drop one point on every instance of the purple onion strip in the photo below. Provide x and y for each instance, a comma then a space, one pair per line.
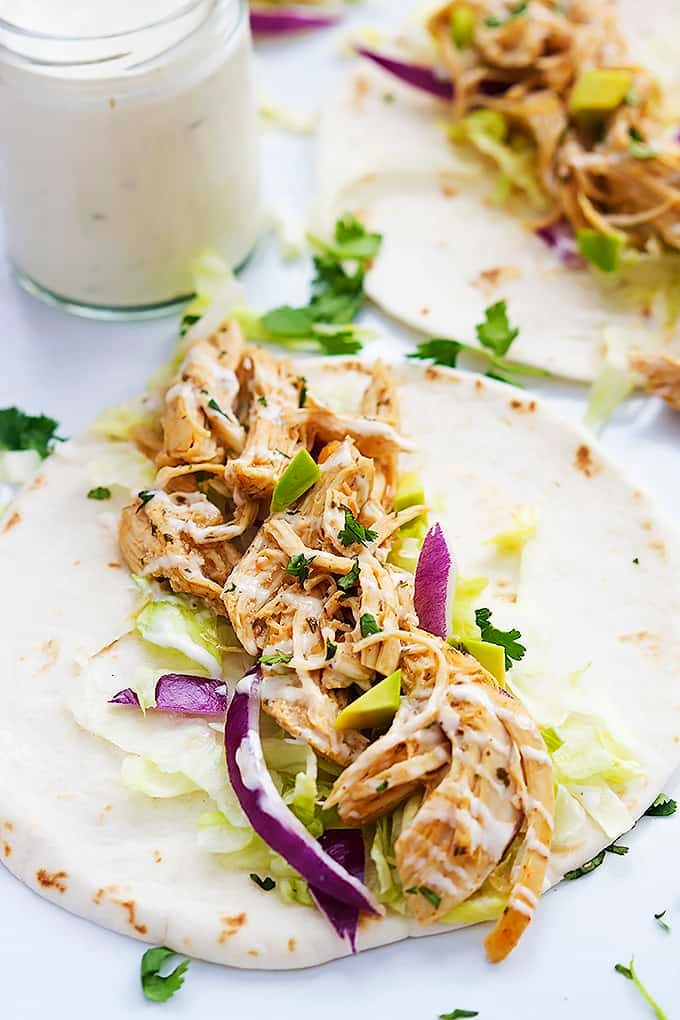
183, 694
269, 816
287, 20
431, 586
346, 846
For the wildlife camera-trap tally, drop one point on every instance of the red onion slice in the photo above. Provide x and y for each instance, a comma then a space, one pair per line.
265, 810
186, 695
420, 76
287, 20
560, 237
433, 581
346, 847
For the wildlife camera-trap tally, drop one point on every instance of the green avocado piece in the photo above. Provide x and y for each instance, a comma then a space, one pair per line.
410, 491
601, 250
462, 25
405, 552
491, 657
600, 90
301, 474
374, 708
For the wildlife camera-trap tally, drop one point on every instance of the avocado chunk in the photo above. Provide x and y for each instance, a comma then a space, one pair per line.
462, 25
300, 475
601, 250
374, 708
600, 90
491, 657
409, 492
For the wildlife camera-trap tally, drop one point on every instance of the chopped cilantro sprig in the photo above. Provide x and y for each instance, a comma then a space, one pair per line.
155, 987
631, 974
326, 322
19, 431
495, 336
507, 639
353, 532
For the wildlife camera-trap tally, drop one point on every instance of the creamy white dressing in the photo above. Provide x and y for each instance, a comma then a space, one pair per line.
124, 158
532, 842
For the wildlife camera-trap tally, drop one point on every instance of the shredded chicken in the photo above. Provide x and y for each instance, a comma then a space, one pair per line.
298, 588
618, 173
661, 375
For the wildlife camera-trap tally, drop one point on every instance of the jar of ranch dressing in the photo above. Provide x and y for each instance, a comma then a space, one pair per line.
128, 146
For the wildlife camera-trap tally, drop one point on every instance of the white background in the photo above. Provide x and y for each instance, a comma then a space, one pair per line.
55, 964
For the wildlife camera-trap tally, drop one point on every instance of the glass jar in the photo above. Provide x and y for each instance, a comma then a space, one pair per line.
128, 146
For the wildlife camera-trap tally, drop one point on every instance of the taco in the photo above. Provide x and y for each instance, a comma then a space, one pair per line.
526, 152
331, 656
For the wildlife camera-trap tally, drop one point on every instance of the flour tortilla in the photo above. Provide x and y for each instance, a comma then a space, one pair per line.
388, 161
71, 831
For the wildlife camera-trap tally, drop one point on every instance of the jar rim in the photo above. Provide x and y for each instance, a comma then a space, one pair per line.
179, 12
131, 50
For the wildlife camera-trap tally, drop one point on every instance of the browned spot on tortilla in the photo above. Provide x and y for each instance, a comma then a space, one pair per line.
253, 952
424, 311
489, 279
646, 525
501, 582
157, 856
361, 89
523, 408
292, 945
446, 185
232, 925
52, 880
114, 566
6, 849
584, 461
659, 547
76, 563
186, 941
637, 495
642, 637
14, 519
508, 596
38, 481
9, 826
50, 649
479, 385
130, 907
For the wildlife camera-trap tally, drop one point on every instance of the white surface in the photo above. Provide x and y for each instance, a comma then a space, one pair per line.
57, 964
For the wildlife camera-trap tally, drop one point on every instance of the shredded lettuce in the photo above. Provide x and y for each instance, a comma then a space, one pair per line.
144, 776
122, 465
385, 878
18, 466
614, 383
569, 818
488, 131
590, 753
179, 623
468, 590
514, 539
298, 122
117, 422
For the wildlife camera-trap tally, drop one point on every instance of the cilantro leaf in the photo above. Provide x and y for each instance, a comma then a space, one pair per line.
266, 884
350, 581
368, 625
618, 849
262, 400
631, 974
492, 21
458, 1014
337, 292
355, 532
99, 492
381, 787
19, 431
299, 565
302, 400
155, 987
507, 639
430, 895
495, 332
276, 659
442, 352
586, 868
331, 649
659, 918
662, 807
